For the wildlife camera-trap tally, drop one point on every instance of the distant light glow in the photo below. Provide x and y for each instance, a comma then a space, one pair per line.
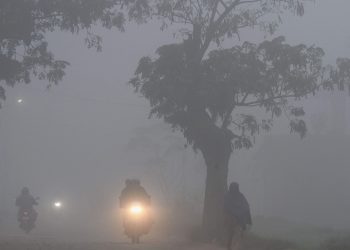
57, 204
19, 100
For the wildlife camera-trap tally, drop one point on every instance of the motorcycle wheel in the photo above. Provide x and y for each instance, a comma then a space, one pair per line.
26, 228
135, 239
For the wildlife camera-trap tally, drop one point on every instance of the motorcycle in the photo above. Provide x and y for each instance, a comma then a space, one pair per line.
27, 218
137, 221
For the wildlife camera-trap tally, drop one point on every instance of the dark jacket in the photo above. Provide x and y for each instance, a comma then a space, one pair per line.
134, 193
26, 201
237, 206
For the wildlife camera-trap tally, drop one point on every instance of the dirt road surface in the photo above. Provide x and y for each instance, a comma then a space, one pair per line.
27, 244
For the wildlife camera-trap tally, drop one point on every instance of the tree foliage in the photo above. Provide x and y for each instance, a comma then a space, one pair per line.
201, 89
24, 25
264, 76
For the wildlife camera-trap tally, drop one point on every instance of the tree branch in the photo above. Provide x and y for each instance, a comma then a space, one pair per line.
232, 6
212, 27
256, 103
244, 98
226, 120
213, 13
223, 3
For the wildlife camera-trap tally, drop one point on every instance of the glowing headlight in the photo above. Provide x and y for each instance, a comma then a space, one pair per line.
57, 204
136, 209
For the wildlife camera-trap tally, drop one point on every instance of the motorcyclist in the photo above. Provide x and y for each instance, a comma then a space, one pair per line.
133, 191
238, 217
26, 202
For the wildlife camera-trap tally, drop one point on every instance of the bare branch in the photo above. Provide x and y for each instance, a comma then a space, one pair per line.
244, 98
223, 3
230, 8
259, 102
213, 13
226, 120
214, 24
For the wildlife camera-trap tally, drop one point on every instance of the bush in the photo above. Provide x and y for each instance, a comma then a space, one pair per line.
250, 241
337, 244
253, 242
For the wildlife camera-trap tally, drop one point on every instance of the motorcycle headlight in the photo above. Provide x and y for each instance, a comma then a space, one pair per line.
136, 209
57, 204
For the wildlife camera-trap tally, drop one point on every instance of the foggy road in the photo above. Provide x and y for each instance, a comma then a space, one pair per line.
51, 245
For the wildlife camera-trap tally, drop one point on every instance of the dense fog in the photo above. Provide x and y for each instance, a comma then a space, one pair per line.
78, 141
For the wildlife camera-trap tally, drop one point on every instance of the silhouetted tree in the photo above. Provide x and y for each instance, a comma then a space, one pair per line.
214, 95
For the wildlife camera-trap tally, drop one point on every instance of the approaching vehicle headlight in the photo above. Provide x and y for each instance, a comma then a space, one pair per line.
136, 209
57, 204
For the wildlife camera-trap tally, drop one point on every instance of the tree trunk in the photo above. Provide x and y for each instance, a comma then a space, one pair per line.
214, 143
216, 187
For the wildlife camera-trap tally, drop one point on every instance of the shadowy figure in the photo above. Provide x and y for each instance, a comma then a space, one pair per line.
237, 214
135, 203
133, 191
26, 213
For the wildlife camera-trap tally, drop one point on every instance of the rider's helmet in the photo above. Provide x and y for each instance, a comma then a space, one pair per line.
128, 182
234, 187
136, 182
25, 191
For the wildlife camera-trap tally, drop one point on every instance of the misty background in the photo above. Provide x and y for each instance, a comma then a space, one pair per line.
80, 140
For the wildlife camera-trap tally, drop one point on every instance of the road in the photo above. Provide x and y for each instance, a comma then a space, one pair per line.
27, 244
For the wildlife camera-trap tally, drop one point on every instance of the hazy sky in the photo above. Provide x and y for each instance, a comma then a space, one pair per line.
70, 140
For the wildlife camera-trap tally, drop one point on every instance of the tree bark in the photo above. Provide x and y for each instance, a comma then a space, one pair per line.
216, 187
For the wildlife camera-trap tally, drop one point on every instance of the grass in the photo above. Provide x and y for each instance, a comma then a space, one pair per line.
342, 243
254, 242
307, 236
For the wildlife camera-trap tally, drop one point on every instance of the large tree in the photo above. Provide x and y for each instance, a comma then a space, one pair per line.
220, 98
